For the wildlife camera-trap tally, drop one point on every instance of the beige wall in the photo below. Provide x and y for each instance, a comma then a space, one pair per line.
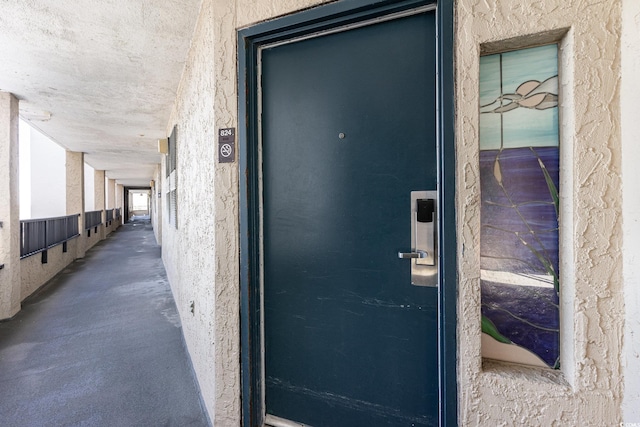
120, 198
188, 252
94, 238
34, 273
111, 196
115, 223
75, 197
588, 389
201, 255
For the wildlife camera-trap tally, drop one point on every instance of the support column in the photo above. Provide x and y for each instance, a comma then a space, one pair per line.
98, 197
120, 201
111, 199
128, 204
9, 208
74, 166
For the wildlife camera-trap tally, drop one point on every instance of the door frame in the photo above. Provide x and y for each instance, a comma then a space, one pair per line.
334, 15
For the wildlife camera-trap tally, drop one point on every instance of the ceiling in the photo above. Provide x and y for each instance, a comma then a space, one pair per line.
98, 77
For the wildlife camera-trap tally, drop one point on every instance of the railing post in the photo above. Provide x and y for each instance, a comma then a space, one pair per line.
21, 239
39, 235
46, 244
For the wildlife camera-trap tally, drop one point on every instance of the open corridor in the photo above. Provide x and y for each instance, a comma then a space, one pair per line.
100, 345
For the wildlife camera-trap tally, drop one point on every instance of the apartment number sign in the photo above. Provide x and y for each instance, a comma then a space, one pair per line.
226, 145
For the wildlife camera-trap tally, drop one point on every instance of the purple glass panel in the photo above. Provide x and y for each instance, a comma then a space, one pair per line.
519, 181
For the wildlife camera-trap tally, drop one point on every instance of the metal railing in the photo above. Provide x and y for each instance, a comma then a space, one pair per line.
92, 219
37, 235
109, 215
117, 213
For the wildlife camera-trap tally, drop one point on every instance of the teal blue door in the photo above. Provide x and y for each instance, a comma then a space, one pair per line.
348, 132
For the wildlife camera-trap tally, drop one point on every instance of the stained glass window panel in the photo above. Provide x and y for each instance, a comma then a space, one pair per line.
519, 181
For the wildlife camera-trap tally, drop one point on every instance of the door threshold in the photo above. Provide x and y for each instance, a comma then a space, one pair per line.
273, 421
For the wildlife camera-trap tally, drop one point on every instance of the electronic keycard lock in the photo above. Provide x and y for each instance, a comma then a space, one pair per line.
424, 239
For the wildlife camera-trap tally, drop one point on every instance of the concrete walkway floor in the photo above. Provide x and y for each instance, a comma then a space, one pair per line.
100, 345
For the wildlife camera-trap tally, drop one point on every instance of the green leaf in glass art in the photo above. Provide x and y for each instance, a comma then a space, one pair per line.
490, 329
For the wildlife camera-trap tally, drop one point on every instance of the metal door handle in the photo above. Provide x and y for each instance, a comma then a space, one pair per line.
416, 254
423, 255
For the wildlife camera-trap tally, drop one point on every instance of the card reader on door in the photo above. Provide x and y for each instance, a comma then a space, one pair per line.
424, 232
425, 209
424, 239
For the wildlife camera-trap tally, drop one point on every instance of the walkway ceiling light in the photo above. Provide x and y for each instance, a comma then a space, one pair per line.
163, 146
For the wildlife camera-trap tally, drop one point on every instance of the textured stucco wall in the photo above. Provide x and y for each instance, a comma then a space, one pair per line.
111, 193
74, 174
99, 198
192, 244
589, 388
630, 94
115, 223
93, 239
34, 273
120, 198
188, 251
9, 207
